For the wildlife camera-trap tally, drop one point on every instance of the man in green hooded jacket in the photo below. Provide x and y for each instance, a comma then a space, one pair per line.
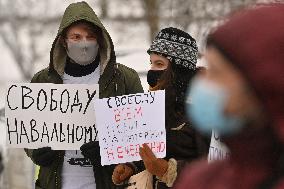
82, 53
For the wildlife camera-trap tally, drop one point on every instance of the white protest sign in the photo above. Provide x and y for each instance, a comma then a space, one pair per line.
126, 122
59, 116
217, 150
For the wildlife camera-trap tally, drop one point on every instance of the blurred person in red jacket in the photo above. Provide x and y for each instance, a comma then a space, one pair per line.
241, 96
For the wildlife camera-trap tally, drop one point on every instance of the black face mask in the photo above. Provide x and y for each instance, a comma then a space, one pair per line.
153, 77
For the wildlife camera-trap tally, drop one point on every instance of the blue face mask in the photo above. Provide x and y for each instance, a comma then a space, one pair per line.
206, 109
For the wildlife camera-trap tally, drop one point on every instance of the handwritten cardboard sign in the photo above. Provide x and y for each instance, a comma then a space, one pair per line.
126, 122
59, 116
217, 150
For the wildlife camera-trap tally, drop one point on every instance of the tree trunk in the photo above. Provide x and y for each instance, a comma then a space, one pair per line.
152, 16
104, 8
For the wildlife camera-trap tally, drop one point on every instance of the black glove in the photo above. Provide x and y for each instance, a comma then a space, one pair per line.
44, 156
91, 151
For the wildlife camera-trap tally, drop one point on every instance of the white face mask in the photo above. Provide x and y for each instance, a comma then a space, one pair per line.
82, 52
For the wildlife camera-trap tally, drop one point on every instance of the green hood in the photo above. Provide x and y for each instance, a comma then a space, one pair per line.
75, 12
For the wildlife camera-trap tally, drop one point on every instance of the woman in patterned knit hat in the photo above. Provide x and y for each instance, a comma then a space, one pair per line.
173, 56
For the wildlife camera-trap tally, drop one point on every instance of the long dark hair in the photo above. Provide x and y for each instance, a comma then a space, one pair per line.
175, 81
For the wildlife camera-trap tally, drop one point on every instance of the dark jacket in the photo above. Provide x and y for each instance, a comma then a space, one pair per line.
184, 145
256, 155
115, 79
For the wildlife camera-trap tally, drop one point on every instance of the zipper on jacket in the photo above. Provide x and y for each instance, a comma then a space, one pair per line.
112, 78
56, 179
56, 172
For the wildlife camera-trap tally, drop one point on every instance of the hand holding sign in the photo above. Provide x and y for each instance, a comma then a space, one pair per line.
91, 150
121, 173
44, 156
155, 166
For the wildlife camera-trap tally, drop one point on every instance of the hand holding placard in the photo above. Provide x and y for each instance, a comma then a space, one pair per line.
91, 150
44, 156
121, 173
155, 166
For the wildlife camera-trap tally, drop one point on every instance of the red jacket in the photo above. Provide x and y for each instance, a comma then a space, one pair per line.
253, 161
253, 41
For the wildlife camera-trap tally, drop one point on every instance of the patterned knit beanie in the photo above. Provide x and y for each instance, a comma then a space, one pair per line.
177, 46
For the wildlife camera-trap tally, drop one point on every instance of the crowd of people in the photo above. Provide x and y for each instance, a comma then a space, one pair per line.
240, 95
